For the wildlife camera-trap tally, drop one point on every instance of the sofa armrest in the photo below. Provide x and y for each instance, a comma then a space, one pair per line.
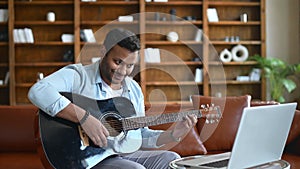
20, 122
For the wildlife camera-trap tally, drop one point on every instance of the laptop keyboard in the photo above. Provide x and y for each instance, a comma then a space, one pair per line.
217, 164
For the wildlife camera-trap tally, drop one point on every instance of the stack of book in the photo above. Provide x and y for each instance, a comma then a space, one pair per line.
23, 35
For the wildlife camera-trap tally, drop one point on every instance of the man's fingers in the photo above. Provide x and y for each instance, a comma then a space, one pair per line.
105, 131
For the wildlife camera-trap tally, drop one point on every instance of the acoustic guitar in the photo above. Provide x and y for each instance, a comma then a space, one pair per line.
66, 146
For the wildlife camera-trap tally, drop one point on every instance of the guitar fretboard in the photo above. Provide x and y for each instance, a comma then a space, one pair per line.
139, 122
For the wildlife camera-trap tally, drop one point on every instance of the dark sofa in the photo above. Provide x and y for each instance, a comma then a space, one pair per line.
18, 143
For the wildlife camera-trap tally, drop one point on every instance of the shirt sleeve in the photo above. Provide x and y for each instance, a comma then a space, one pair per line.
45, 93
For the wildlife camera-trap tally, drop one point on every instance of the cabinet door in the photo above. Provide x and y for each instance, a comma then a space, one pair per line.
51, 45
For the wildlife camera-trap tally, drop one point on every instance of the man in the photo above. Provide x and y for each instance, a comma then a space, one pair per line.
101, 80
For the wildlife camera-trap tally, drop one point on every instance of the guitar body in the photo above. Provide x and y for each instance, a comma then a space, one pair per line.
63, 145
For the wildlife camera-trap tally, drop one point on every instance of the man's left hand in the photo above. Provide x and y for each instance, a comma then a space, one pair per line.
183, 127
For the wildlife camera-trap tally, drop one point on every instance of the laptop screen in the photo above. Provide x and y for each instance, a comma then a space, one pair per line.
262, 135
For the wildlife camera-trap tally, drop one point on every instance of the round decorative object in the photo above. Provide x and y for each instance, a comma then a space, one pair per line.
239, 53
172, 36
51, 16
225, 56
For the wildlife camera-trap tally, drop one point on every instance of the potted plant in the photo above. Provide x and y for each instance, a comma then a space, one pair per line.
278, 73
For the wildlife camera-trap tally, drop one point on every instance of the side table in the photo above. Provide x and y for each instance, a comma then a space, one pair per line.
280, 164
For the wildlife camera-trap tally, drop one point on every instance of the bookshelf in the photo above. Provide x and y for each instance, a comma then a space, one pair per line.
170, 81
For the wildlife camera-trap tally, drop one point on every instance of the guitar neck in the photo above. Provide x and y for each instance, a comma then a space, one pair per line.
139, 122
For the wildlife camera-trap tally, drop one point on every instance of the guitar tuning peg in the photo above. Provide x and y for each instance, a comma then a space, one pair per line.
202, 106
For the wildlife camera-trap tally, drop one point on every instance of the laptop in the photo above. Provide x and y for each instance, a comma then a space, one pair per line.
260, 139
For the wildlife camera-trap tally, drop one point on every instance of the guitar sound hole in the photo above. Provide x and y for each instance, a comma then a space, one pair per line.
113, 125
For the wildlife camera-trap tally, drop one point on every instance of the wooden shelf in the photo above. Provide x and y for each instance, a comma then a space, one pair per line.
183, 42
233, 3
3, 2
53, 43
233, 63
45, 64
3, 64
99, 23
3, 86
3, 43
234, 82
175, 3
215, 42
53, 2
235, 23
174, 75
110, 3
175, 23
172, 83
43, 23
174, 63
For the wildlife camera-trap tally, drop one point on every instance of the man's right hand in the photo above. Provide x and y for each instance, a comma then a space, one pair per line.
96, 131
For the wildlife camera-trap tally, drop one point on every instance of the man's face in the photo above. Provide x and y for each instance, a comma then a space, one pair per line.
117, 64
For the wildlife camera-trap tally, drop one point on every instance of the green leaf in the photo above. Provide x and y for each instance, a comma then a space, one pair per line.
277, 63
289, 85
281, 99
297, 68
267, 72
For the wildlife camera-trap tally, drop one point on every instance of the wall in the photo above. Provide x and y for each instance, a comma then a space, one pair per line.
283, 34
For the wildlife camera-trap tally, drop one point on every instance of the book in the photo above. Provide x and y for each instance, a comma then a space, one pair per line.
125, 18
198, 36
87, 35
29, 35
21, 35
6, 79
3, 15
16, 36
152, 55
212, 15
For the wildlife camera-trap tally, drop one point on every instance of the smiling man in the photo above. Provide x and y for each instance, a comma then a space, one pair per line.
101, 80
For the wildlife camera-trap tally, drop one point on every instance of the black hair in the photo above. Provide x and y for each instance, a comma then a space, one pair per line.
122, 37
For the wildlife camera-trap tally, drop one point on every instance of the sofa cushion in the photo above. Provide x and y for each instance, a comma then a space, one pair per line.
17, 131
220, 136
191, 144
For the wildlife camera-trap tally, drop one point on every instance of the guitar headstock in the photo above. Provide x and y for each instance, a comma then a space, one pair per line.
211, 112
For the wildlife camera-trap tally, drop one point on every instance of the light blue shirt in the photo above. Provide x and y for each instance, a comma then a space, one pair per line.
86, 81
